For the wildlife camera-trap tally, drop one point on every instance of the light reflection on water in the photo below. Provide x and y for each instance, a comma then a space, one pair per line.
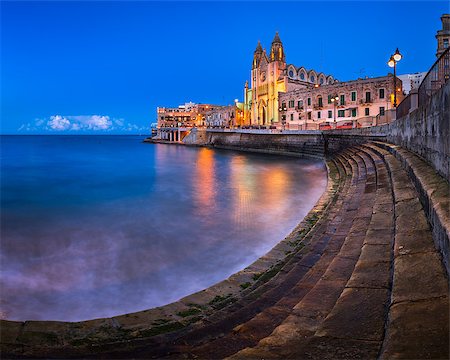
99, 226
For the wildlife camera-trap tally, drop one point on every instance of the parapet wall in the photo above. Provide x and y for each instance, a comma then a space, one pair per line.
307, 143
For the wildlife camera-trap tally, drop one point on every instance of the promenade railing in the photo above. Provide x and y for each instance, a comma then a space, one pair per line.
436, 78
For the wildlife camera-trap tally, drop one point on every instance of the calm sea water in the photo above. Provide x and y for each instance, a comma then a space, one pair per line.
95, 226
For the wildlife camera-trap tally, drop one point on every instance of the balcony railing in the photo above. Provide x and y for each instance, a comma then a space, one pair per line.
365, 101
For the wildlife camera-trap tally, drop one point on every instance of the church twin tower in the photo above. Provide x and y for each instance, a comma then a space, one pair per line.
267, 79
270, 76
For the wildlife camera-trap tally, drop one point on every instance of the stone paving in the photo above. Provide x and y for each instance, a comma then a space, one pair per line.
366, 279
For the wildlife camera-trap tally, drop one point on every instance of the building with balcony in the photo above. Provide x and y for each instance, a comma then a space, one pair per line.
186, 115
361, 102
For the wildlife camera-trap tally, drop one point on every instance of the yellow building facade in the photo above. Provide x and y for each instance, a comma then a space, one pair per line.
270, 76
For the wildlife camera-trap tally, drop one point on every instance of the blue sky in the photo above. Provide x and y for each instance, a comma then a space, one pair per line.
106, 66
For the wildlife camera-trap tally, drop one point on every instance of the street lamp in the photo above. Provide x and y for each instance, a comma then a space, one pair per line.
283, 116
334, 100
395, 58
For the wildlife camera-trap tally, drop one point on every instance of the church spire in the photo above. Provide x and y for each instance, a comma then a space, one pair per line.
276, 50
257, 55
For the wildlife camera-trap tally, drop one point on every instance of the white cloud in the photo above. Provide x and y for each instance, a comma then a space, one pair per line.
58, 123
81, 123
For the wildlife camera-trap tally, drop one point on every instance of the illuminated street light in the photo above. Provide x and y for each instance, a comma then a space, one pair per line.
334, 100
396, 57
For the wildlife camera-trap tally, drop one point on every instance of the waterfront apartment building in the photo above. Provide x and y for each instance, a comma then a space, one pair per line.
186, 115
271, 75
356, 103
228, 116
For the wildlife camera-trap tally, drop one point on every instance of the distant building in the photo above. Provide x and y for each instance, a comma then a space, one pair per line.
187, 115
411, 81
443, 35
360, 102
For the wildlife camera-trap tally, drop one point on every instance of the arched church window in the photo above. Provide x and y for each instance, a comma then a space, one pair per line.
291, 74
312, 78
302, 76
321, 81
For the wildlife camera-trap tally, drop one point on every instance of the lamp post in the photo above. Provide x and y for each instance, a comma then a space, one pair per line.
334, 100
395, 58
283, 116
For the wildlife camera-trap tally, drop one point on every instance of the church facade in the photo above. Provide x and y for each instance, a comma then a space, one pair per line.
270, 76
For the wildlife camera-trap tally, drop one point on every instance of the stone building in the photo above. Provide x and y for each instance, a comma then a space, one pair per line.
270, 76
361, 102
223, 116
443, 35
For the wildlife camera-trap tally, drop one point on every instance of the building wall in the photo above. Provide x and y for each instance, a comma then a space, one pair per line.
443, 35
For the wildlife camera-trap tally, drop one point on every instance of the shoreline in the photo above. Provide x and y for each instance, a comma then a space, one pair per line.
200, 305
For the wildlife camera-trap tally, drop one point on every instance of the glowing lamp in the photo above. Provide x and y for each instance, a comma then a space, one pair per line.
391, 62
397, 55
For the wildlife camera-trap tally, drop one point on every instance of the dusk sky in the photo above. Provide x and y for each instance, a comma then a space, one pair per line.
104, 67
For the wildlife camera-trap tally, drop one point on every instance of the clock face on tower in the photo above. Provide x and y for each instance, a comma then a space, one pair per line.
263, 76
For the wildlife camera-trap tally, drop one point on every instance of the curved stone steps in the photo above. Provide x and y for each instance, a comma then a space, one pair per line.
417, 321
294, 335
261, 316
420, 292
